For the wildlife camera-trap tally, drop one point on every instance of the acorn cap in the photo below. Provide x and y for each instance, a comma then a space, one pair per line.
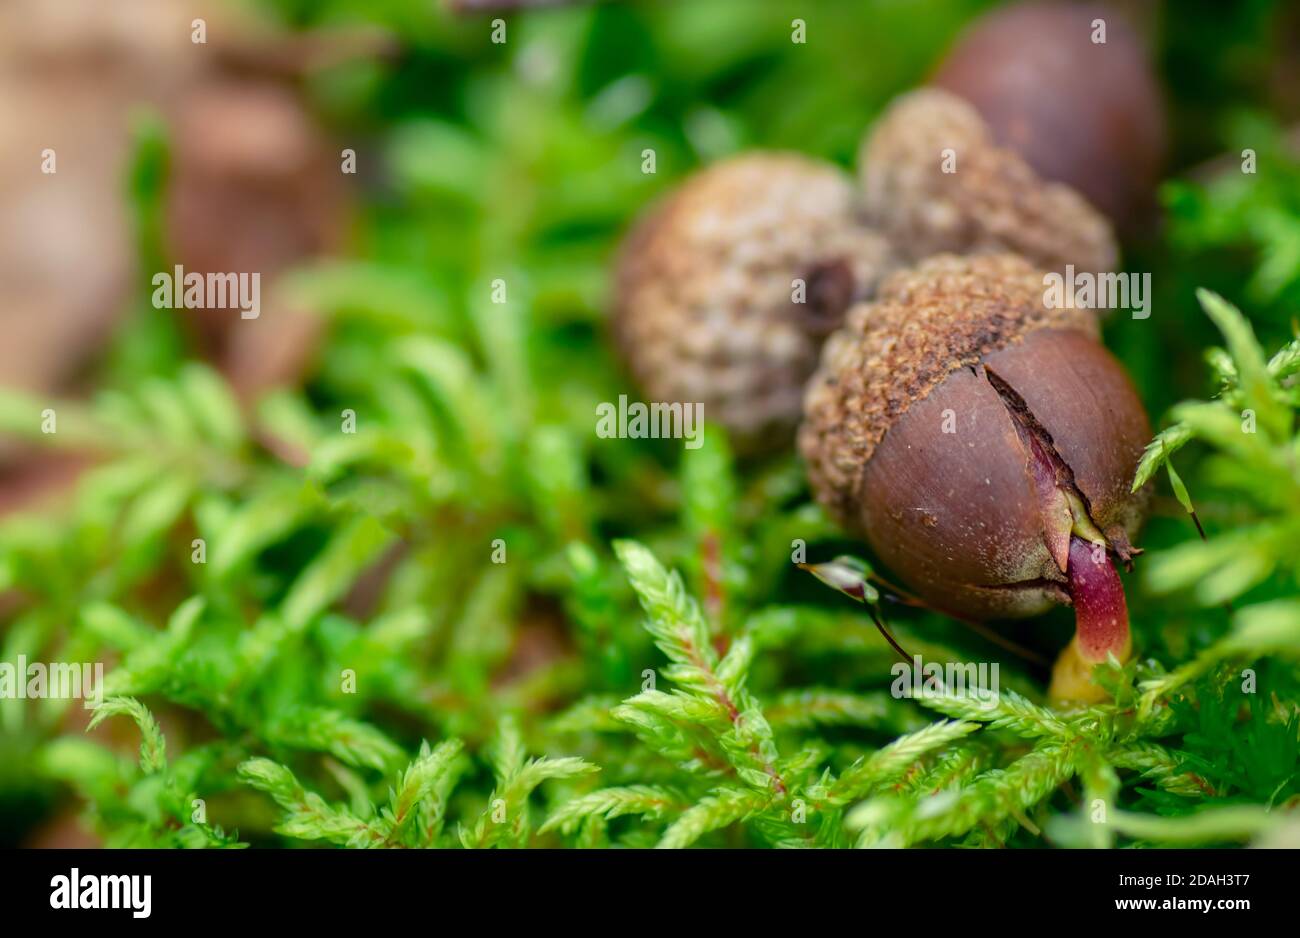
989, 200
706, 286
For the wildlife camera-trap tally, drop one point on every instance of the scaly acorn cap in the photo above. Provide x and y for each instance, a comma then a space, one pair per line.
935, 181
926, 322
705, 286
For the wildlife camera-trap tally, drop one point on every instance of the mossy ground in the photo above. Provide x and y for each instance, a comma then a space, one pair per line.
577, 693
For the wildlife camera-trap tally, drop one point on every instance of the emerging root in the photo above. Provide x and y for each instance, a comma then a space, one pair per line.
1100, 611
1082, 552
1100, 625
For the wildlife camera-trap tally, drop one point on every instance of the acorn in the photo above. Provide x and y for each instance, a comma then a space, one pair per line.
1079, 111
255, 188
935, 181
726, 290
984, 445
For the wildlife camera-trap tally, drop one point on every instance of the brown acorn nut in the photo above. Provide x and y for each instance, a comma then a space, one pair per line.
935, 181
1081, 112
727, 289
255, 187
983, 444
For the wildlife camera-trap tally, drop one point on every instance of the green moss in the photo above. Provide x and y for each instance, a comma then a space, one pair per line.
459, 625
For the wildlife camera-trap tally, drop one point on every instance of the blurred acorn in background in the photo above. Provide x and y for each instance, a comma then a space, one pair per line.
71, 75
725, 291
254, 187
1070, 88
984, 445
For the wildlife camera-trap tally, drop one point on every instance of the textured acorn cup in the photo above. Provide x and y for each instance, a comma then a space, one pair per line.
1084, 113
708, 305
983, 444
935, 181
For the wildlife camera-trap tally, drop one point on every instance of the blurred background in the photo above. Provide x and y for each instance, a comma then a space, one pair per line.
474, 160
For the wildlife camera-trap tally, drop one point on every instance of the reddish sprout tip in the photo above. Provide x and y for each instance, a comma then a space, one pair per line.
1101, 612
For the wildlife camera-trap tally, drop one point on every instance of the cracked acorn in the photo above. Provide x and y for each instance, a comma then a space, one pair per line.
726, 290
984, 445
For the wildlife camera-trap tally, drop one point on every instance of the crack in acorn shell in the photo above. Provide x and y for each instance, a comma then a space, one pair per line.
1002, 563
